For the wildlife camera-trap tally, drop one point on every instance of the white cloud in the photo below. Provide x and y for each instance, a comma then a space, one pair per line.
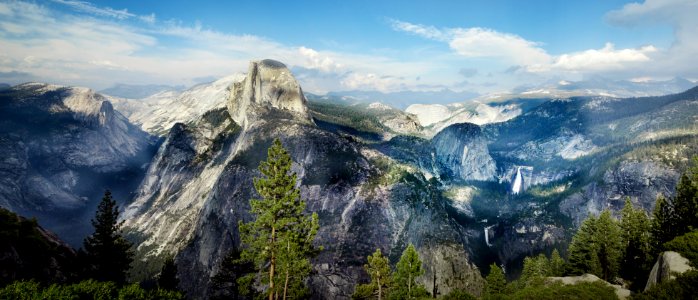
429, 32
679, 58
370, 81
314, 60
483, 42
606, 58
116, 46
528, 56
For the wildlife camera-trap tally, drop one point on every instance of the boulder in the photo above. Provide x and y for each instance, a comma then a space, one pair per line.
668, 265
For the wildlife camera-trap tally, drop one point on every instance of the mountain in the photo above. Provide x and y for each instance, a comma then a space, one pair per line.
370, 121
61, 147
157, 113
436, 117
199, 184
491, 180
137, 91
403, 99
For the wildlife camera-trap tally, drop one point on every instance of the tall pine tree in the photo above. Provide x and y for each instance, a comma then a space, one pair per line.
664, 224
637, 255
378, 269
610, 248
279, 240
109, 255
583, 249
557, 264
407, 269
496, 281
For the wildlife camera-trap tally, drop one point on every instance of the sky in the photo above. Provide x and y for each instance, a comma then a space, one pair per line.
387, 46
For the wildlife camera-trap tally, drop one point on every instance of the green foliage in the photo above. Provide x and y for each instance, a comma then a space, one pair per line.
279, 241
378, 269
585, 290
108, 254
91, 289
664, 227
686, 245
556, 265
31, 254
597, 247
458, 295
407, 269
20, 290
686, 200
132, 292
637, 255
685, 286
583, 250
225, 283
85, 290
608, 237
679, 215
496, 281
168, 276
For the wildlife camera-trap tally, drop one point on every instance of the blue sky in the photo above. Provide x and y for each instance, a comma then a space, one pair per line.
473, 46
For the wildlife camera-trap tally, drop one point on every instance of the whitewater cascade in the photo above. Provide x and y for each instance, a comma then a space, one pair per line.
516, 188
487, 235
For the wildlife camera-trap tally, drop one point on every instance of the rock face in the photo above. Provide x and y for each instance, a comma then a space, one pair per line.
668, 265
198, 188
463, 151
268, 85
61, 147
157, 113
641, 181
621, 292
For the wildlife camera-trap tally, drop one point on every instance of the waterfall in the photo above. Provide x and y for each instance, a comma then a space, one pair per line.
487, 235
517, 182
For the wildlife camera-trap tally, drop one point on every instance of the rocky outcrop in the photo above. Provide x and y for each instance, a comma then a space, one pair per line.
621, 292
462, 150
268, 85
642, 181
668, 266
61, 147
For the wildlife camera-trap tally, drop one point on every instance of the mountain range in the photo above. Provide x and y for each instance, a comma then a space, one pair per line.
467, 183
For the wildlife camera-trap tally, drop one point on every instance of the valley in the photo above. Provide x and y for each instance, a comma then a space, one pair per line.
468, 184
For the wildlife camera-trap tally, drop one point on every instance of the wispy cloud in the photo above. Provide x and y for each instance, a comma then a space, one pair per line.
115, 45
525, 55
89, 8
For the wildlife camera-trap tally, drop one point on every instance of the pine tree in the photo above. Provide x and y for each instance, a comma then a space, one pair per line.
279, 240
686, 203
378, 269
610, 249
557, 264
168, 276
407, 269
637, 256
108, 253
496, 282
583, 249
664, 227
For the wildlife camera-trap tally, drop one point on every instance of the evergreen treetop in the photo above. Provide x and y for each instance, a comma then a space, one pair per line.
109, 254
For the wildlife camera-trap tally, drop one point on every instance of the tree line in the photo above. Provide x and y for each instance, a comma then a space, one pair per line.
620, 250
99, 269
